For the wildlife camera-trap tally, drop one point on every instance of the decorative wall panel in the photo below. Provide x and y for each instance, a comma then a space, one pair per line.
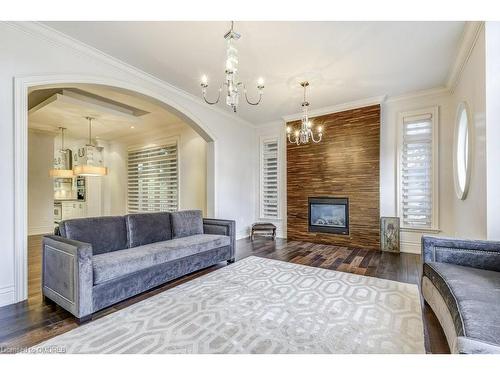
345, 164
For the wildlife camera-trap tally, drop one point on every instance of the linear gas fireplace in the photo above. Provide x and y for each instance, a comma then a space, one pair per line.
329, 215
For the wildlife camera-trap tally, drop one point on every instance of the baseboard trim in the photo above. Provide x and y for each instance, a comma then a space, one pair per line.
410, 247
242, 234
7, 295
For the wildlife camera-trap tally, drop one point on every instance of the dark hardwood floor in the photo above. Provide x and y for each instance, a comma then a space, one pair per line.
32, 321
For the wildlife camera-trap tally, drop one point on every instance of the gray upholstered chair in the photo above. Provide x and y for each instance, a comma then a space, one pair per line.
96, 262
461, 283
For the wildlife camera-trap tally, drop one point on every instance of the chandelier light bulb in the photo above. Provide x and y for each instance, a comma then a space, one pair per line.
305, 134
288, 129
232, 83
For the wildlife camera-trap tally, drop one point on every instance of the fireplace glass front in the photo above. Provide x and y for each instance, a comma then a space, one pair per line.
329, 215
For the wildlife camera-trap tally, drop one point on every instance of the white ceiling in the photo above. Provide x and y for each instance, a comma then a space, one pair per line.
344, 61
108, 126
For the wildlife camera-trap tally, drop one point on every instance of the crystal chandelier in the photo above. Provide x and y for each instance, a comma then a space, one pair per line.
305, 134
232, 83
63, 168
92, 165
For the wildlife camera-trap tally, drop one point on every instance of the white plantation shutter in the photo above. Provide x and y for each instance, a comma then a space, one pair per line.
417, 172
153, 179
269, 189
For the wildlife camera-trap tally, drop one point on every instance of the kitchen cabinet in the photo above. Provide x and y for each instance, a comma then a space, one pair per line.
73, 210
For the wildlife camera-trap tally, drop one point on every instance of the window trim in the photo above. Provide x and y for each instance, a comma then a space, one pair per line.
434, 112
278, 141
166, 141
462, 193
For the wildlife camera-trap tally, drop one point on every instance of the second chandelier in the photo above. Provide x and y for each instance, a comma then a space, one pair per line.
305, 133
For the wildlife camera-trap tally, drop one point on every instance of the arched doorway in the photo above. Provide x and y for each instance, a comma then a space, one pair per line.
23, 86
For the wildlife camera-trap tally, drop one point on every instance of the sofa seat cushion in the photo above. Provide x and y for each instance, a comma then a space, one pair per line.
110, 266
472, 296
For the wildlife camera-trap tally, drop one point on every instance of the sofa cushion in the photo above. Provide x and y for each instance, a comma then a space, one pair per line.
105, 234
120, 263
187, 223
472, 296
147, 228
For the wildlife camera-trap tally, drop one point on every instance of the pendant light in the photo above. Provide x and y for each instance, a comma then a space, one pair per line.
305, 134
91, 167
232, 82
64, 168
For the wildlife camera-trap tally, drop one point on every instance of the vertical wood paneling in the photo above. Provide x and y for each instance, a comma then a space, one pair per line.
345, 163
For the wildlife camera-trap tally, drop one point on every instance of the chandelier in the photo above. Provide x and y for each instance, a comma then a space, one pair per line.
305, 133
233, 85
63, 167
92, 163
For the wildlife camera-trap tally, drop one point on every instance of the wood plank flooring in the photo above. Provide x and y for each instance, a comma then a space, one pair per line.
32, 321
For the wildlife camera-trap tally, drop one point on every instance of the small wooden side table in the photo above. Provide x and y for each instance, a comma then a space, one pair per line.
264, 229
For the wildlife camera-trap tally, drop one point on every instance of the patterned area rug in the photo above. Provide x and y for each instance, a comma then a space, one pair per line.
259, 305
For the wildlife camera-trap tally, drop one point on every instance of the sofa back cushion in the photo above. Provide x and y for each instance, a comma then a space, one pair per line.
105, 234
187, 223
147, 228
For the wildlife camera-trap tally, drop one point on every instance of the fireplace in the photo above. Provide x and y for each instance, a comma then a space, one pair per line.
329, 215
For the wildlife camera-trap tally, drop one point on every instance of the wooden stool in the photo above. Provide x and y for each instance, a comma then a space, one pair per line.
264, 228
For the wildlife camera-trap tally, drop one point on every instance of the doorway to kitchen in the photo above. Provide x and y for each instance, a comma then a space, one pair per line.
123, 129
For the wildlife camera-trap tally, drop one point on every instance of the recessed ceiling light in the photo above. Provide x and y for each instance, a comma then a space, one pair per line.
132, 127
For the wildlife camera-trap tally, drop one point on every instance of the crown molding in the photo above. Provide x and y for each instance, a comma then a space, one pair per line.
338, 108
59, 39
470, 36
435, 91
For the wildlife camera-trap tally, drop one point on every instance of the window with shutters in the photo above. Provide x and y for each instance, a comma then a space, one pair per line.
153, 179
418, 176
269, 190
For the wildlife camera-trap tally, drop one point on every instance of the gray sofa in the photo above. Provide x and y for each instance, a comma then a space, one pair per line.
461, 283
96, 262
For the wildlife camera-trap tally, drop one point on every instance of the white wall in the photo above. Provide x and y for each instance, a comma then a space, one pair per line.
193, 170
40, 184
114, 185
470, 214
466, 219
28, 50
493, 128
410, 240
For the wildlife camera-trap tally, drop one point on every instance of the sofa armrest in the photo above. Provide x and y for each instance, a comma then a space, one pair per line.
67, 275
466, 345
471, 253
222, 227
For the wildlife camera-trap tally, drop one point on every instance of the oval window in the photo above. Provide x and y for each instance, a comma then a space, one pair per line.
462, 150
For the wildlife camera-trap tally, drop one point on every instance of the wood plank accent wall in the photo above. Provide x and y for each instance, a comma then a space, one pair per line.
345, 163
